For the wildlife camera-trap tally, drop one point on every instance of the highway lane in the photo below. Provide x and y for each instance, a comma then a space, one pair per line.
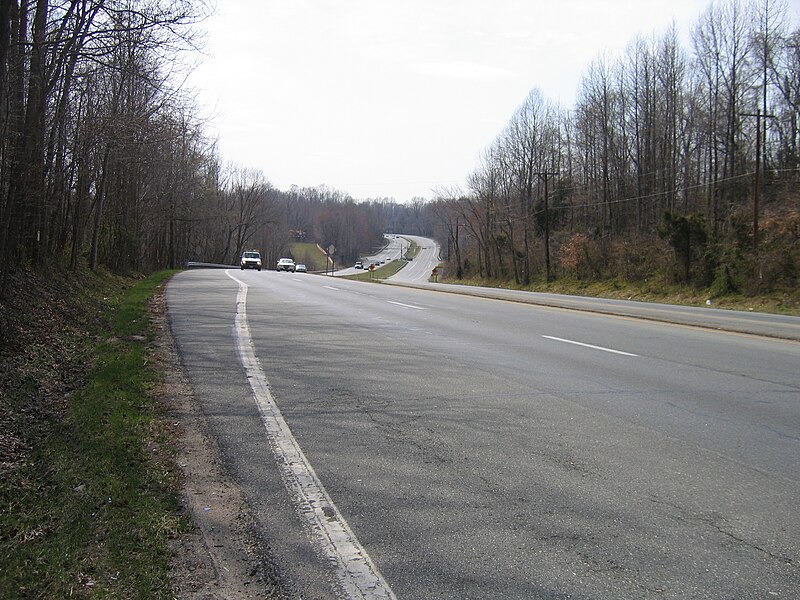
481, 448
419, 269
394, 249
782, 326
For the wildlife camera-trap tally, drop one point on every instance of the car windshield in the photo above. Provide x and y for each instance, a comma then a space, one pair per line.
252, 255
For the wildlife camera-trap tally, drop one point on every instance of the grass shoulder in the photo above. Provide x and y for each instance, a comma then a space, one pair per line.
384, 272
412, 250
786, 302
309, 254
88, 488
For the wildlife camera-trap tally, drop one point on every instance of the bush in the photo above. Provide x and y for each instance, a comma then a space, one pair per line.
687, 234
638, 258
583, 256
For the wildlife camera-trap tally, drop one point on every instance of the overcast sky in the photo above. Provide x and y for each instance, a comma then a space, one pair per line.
396, 98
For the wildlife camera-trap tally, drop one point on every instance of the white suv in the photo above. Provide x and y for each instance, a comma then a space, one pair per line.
250, 260
285, 264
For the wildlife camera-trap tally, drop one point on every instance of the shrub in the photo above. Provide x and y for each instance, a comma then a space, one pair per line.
638, 258
687, 234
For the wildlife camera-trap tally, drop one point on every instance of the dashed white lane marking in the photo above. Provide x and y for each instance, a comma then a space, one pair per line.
331, 536
330, 287
406, 305
558, 339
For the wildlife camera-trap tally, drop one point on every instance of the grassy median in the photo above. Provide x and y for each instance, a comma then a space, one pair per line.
384, 272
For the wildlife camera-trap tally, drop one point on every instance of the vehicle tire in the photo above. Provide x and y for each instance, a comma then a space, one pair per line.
242, 268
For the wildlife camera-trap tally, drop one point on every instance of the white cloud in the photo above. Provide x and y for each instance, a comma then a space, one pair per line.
387, 98
459, 69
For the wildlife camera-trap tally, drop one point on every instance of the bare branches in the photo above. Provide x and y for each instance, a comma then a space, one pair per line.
86, 143
658, 130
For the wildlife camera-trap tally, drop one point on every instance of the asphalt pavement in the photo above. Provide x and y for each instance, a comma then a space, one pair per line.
484, 448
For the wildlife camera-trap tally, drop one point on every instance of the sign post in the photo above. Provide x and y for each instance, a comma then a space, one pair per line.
331, 250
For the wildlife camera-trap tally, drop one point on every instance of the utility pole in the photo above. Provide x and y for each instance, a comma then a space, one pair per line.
544, 175
757, 189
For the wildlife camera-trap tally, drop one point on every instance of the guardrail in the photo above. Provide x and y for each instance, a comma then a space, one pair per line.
203, 265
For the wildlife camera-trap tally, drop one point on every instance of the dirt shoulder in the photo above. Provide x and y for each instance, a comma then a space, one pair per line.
222, 558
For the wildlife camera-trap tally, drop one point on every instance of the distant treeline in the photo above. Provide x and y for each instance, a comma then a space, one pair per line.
104, 159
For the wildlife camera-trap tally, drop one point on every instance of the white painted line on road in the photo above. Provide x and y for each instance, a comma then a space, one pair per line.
330, 534
550, 337
405, 305
330, 287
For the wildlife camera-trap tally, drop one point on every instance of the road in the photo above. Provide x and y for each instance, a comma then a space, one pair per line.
481, 448
417, 271
395, 248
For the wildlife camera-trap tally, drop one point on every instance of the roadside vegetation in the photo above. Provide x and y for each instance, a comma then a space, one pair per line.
677, 165
674, 178
88, 491
664, 269
675, 174
653, 290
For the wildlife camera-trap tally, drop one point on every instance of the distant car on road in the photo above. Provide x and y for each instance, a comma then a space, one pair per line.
285, 264
300, 268
358, 265
250, 260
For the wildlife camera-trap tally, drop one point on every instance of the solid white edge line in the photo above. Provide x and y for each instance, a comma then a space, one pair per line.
558, 339
329, 532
